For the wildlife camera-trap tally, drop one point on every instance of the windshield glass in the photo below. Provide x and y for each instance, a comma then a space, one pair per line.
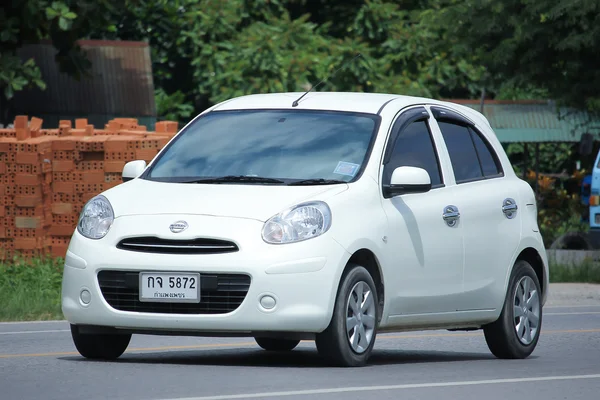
288, 145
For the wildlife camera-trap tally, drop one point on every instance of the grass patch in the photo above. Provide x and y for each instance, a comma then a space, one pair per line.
30, 290
587, 272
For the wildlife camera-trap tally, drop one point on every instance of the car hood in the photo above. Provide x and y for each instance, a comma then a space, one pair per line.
260, 202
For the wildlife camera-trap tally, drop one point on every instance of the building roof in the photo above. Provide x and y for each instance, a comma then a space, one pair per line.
534, 121
120, 84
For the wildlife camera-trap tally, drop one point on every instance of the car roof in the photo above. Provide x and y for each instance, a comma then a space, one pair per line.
371, 103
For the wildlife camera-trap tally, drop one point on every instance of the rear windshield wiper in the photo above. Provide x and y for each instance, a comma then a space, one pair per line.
320, 181
235, 178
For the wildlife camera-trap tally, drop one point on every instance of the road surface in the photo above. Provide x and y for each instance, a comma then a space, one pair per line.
39, 361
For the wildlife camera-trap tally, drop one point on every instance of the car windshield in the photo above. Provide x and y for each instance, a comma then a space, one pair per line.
268, 147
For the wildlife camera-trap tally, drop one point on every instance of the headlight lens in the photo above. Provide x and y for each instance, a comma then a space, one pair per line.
301, 222
96, 218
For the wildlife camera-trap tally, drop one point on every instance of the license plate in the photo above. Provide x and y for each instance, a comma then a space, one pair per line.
597, 218
175, 287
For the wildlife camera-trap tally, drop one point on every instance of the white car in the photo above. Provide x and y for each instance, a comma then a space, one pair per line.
330, 219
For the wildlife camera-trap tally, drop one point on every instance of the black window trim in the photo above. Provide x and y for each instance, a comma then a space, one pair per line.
442, 114
406, 118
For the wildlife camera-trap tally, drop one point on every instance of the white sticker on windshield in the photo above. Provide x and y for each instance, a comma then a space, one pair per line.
346, 168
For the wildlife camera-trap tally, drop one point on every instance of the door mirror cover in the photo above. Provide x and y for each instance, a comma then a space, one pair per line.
406, 180
133, 169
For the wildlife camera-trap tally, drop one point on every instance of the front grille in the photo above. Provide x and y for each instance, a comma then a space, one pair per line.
151, 244
219, 294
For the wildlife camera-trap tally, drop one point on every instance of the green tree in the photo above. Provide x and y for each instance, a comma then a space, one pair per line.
550, 46
411, 56
205, 51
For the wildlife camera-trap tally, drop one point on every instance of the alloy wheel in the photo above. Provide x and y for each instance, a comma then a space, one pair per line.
360, 317
526, 310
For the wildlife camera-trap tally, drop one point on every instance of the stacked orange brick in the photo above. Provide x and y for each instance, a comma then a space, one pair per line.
47, 176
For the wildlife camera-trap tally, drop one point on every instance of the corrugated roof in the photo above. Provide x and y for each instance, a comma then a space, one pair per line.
534, 121
121, 82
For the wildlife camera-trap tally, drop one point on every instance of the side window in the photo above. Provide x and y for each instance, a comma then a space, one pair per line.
414, 148
462, 152
470, 155
489, 164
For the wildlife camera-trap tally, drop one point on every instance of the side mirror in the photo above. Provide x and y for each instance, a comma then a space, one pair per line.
133, 169
408, 180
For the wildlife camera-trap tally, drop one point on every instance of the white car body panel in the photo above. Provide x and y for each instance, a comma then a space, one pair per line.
434, 276
491, 240
306, 269
240, 201
424, 255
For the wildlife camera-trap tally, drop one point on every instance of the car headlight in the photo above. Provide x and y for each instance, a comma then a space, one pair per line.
301, 222
96, 218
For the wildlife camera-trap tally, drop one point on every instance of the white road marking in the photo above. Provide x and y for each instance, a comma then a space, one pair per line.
26, 332
573, 313
388, 387
32, 322
575, 306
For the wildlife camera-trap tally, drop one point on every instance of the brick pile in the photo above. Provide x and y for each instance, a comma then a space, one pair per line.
47, 176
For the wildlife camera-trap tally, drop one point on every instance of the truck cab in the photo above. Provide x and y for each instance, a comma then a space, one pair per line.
594, 214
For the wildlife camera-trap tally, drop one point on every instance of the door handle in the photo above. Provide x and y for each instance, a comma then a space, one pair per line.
451, 215
509, 208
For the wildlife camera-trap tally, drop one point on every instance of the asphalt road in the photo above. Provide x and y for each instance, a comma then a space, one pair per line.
39, 361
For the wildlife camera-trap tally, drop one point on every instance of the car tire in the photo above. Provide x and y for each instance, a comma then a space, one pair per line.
271, 344
507, 337
344, 347
100, 346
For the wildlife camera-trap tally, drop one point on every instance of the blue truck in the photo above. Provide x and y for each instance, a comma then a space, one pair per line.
590, 198
594, 196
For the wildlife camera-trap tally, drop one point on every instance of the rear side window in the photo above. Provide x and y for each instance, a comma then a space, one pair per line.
415, 148
471, 156
489, 163
462, 152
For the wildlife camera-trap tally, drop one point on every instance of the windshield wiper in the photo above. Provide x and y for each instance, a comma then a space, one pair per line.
320, 181
235, 178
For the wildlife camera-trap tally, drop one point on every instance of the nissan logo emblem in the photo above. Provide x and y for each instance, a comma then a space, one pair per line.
178, 226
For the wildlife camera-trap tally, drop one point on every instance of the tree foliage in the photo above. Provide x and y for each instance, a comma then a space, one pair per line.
550, 45
205, 51
210, 50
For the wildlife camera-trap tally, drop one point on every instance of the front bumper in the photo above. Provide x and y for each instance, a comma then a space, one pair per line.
301, 277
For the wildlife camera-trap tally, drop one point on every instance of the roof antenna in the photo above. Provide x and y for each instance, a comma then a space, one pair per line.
295, 103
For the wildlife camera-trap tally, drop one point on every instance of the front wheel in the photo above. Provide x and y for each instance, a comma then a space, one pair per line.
516, 332
100, 346
349, 339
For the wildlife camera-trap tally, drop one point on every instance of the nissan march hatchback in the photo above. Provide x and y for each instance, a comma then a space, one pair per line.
333, 219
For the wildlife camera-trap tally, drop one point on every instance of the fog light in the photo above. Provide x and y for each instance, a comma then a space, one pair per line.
85, 296
267, 302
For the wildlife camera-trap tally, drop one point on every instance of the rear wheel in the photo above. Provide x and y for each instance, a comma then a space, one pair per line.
271, 344
349, 339
516, 332
100, 346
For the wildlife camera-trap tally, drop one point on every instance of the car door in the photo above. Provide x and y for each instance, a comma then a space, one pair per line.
489, 210
425, 243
